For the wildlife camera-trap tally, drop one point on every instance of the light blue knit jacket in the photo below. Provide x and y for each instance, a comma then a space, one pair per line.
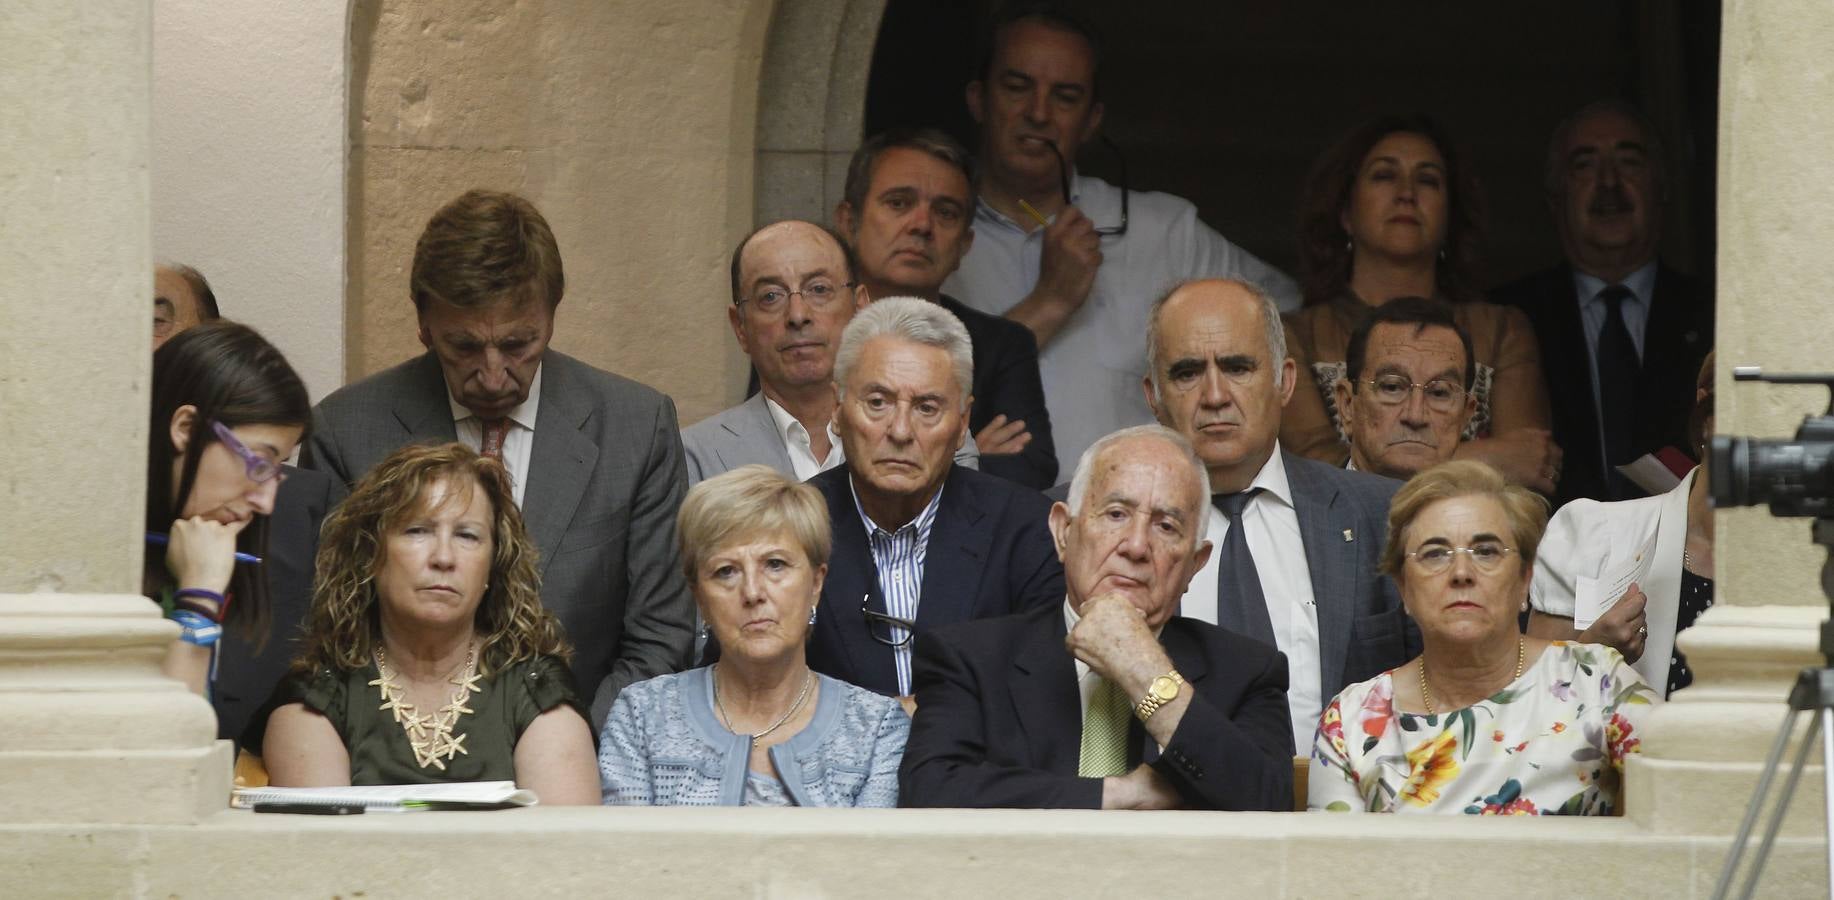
662, 745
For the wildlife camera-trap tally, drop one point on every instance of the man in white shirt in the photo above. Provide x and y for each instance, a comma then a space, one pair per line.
1073, 258
1406, 392
1296, 540
794, 289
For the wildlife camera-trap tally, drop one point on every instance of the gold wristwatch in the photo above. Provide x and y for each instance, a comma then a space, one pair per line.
1163, 690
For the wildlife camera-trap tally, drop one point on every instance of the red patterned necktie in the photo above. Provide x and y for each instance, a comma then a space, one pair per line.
495, 430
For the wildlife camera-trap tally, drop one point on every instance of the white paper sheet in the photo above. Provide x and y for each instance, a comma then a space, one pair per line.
1629, 562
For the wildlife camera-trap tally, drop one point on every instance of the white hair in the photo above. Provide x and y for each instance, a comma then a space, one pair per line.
1085, 465
912, 319
1270, 321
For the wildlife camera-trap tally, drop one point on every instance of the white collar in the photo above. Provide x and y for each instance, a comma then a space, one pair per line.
1272, 479
788, 428
523, 414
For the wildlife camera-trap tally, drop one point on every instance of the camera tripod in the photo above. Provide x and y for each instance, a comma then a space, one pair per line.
1813, 693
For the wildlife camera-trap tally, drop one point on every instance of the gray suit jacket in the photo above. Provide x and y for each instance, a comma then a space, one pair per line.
746, 434
605, 480
1363, 630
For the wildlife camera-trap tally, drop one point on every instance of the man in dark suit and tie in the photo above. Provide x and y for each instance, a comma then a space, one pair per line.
909, 210
1297, 540
1632, 331
1143, 710
595, 459
919, 541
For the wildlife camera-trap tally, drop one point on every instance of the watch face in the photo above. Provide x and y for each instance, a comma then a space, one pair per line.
1165, 689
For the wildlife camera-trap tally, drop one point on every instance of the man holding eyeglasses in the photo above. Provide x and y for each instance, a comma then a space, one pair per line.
1070, 256
1406, 394
1297, 541
919, 541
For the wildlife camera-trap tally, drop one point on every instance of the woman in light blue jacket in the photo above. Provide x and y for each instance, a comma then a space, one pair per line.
758, 728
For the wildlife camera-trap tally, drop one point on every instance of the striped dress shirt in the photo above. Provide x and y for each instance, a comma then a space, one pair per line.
898, 556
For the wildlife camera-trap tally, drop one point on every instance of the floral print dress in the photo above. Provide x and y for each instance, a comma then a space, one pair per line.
1551, 743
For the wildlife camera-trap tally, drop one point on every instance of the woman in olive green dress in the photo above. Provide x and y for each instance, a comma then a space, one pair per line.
427, 655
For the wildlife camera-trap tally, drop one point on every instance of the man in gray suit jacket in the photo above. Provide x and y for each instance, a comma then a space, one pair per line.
595, 458
1296, 540
794, 289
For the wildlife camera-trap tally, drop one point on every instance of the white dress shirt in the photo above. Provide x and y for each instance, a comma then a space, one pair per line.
1092, 368
517, 441
796, 442
1279, 553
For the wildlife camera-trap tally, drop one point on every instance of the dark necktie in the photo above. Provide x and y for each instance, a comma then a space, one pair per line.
1617, 387
1241, 606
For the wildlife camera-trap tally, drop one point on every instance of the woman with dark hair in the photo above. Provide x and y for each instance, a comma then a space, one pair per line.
427, 655
1393, 211
227, 410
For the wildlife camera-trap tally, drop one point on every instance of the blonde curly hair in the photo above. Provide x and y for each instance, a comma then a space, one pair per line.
344, 625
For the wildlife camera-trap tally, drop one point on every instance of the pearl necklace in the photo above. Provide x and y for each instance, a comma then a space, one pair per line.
801, 696
1426, 696
430, 734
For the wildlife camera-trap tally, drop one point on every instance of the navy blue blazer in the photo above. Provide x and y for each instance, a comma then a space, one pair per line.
1676, 338
1007, 383
999, 720
990, 554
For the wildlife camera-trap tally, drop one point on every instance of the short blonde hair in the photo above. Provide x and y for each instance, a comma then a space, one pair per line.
751, 500
1526, 510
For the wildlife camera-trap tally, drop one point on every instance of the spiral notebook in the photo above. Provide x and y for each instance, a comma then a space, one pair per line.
451, 795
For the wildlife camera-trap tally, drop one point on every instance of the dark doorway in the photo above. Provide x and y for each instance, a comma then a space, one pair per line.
1228, 104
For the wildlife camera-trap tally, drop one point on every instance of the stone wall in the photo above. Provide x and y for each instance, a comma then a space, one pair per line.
629, 124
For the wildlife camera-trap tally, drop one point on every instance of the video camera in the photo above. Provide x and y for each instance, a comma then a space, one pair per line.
1796, 477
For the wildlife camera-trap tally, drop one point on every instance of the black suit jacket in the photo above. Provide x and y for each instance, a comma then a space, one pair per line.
1676, 339
245, 676
1006, 382
990, 554
999, 720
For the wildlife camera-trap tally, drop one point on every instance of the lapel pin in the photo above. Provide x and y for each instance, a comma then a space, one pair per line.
1349, 535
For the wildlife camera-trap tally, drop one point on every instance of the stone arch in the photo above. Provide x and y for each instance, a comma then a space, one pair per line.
811, 105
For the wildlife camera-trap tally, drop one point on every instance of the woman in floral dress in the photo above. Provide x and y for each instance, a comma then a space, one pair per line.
1486, 721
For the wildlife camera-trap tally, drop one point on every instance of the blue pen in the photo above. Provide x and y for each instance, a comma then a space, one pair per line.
159, 540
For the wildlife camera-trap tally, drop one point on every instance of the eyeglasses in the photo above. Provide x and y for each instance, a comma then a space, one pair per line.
1393, 390
260, 468
772, 300
1487, 557
884, 628
1063, 177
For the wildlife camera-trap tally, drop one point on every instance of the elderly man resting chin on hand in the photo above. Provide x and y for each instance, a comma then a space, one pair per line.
1145, 710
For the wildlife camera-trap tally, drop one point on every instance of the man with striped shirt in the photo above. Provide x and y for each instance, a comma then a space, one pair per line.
918, 541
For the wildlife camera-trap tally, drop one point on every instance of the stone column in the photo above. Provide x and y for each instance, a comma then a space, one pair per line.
93, 732
1704, 749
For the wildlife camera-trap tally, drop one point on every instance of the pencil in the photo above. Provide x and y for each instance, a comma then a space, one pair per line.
1034, 213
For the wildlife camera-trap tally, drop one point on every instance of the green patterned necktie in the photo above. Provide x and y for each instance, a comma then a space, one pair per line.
1104, 750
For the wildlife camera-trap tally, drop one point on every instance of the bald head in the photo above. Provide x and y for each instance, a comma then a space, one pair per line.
791, 298
181, 299
1218, 374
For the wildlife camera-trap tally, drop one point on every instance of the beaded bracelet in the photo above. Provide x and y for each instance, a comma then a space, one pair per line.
196, 628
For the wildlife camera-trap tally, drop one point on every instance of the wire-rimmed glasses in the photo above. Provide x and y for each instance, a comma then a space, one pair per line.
1393, 390
1487, 556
